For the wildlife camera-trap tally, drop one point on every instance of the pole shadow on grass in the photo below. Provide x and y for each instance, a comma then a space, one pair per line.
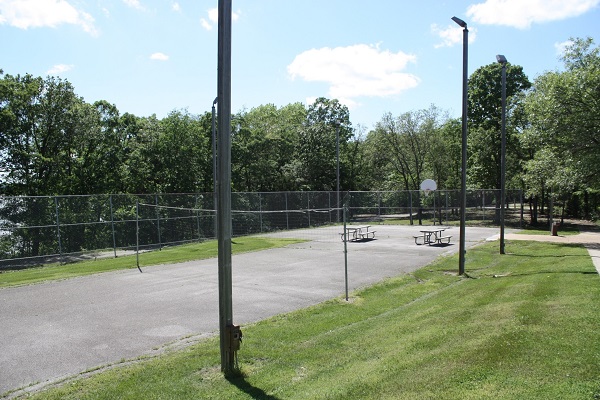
253, 391
546, 272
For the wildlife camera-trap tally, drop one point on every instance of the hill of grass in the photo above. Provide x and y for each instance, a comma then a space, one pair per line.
521, 326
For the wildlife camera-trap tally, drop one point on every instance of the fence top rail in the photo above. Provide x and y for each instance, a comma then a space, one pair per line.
3, 196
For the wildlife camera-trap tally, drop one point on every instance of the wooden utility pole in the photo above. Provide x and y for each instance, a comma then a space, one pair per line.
224, 234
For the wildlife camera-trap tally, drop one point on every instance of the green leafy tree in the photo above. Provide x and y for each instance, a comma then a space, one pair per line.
263, 147
407, 145
485, 122
42, 122
563, 109
182, 153
447, 154
326, 119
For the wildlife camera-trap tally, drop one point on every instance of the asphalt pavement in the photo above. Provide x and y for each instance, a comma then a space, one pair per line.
55, 330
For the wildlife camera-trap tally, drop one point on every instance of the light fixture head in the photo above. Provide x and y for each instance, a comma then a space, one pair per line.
501, 59
460, 22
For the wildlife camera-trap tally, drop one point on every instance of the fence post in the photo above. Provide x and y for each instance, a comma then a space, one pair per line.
521, 220
446, 209
411, 207
329, 202
308, 206
58, 229
287, 214
197, 215
112, 225
260, 212
483, 204
157, 221
137, 233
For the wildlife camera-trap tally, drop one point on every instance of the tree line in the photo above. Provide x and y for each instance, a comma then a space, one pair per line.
52, 142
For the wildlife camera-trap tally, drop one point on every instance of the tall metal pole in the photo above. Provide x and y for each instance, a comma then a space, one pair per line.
502, 60
224, 184
463, 186
337, 152
214, 153
346, 248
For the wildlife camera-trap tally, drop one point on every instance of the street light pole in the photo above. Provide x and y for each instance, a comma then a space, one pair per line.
502, 60
463, 187
337, 174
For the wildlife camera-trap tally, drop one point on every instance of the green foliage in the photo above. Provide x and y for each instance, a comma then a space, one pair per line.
52, 142
264, 148
485, 116
564, 108
326, 120
412, 148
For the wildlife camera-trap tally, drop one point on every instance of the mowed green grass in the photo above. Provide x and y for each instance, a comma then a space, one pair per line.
168, 255
521, 326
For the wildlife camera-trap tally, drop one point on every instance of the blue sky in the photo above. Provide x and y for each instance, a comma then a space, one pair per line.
154, 56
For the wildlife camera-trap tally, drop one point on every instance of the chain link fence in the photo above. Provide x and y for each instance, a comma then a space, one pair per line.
41, 229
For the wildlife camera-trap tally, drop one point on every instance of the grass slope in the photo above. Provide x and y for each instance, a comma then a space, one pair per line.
521, 326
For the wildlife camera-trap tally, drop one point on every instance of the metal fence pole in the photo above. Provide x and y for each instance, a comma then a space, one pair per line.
483, 204
112, 225
308, 207
344, 235
521, 220
158, 222
198, 217
260, 212
58, 228
137, 233
446, 211
329, 202
287, 214
411, 207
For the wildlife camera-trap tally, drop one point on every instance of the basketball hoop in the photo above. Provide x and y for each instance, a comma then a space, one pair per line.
428, 185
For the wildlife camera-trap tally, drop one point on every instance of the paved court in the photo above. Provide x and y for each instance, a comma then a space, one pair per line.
59, 329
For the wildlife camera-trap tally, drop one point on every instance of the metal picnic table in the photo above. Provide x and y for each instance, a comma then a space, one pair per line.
356, 233
432, 236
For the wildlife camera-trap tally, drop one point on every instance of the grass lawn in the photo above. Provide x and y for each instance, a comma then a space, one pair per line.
195, 251
521, 326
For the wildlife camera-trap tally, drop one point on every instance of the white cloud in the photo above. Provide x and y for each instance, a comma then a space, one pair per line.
25, 14
522, 13
355, 71
561, 47
205, 24
159, 57
59, 69
213, 18
176, 7
452, 35
213, 15
134, 4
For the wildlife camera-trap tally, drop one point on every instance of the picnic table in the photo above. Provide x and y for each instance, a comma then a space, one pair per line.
355, 233
432, 236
